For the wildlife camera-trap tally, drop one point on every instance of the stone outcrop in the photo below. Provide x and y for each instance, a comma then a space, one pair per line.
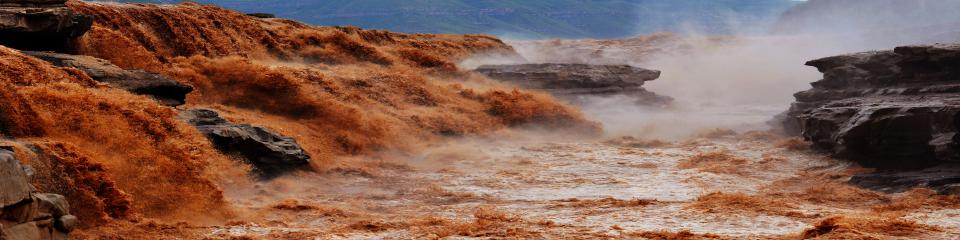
270, 153
165, 90
892, 110
26, 214
40, 24
261, 15
943, 178
572, 81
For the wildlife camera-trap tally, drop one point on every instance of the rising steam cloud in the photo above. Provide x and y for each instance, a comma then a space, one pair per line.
740, 82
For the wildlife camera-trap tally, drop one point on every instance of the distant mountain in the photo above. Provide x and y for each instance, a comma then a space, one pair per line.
876, 23
527, 19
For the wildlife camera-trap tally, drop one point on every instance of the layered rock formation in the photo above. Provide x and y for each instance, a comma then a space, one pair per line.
161, 88
25, 214
270, 153
572, 81
892, 110
40, 24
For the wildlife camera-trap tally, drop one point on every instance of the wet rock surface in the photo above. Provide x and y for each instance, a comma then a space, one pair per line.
892, 110
40, 24
944, 179
26, 214
270, 153
163, 89
572, 81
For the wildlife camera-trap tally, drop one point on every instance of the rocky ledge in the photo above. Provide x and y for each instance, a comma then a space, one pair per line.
896, 111
165, 90
573, 81
26, 214
40, 24
271, 154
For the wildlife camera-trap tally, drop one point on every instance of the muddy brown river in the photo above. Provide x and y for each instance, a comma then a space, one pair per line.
753, 185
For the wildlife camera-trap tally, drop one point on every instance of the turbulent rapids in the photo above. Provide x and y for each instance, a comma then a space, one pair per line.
188, 121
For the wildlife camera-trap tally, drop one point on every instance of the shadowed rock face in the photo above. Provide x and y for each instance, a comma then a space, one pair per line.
571, 81
40, 24
14, 184
163, 89
944, 179
270, 153
25, 214
892, 110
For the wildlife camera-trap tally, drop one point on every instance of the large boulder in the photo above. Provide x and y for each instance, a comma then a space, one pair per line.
572, 81
40, 24
893, 110
25, 214
14, 184
270, 153
165, 90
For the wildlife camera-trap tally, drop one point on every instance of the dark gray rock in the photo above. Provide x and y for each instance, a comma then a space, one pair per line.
32, 2
161, 88
571, 81
944, 179
261, 15
897, 111
886, 109
888, 132
40, 24
270, 153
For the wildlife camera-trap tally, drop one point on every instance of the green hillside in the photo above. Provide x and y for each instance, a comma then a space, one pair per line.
528, 19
